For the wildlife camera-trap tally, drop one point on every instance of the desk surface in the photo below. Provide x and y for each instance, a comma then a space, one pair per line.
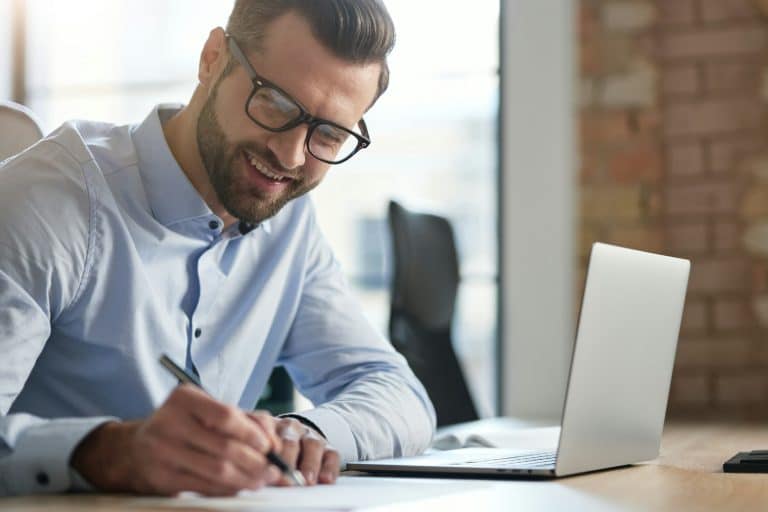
687, 476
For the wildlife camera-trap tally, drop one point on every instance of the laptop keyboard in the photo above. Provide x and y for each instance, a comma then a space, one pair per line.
527, 461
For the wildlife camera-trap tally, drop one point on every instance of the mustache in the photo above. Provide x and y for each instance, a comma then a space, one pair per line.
266, 155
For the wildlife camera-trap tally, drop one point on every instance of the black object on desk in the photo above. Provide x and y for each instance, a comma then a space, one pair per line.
755, 461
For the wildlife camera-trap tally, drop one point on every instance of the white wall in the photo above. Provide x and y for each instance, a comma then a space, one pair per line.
538, 204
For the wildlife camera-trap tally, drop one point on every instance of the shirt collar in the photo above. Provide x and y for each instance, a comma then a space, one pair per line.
171, 195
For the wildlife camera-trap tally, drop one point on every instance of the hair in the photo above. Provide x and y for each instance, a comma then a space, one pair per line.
359, 31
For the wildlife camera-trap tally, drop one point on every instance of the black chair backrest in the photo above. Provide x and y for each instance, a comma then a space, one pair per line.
424, 288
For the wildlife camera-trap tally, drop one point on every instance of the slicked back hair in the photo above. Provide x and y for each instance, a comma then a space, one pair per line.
358, 31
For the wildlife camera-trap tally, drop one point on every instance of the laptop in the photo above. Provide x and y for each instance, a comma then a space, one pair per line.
618, 385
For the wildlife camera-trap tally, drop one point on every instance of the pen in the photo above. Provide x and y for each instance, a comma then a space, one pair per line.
295, 476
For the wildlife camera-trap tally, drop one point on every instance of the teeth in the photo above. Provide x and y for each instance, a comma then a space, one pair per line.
264, 170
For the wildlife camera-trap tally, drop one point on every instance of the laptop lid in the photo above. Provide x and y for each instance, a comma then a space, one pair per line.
619, 381
624, 352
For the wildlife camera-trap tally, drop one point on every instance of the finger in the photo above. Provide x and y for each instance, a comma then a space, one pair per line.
252, 464
310, 457
268, 424
289, 438
164, 474
237, 466
222, 418
330, 467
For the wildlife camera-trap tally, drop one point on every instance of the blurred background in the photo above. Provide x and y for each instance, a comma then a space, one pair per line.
536, 128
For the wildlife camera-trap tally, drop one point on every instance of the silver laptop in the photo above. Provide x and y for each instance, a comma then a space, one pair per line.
619, 379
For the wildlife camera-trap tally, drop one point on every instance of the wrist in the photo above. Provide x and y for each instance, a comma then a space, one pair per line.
304, 421
102, 457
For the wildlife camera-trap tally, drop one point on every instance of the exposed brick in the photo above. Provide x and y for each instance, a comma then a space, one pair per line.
644, 238
588, 236
636, 87
702, 198
604, 128
701, 354
680, 79
713, 11
745, 39
685, 159
676, 12
731, 76
588, 24
695, 317
725, 154
586, 92
764, 83
756, 167
687, 239
611, 202
614, 53
645, 121
756, 239
710, 117
741, 389
726, 236
690, 389
760, 285
588, 57
639, 163
760, 307
719, 275
627, 16
731, 314
754, 205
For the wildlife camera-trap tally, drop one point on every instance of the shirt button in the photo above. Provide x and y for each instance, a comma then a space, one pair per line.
198, 332
42, 478
214, 224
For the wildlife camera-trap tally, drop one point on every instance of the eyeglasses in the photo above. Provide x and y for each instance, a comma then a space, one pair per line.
273, 109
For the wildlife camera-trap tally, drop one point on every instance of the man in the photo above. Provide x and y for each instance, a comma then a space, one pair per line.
190, 234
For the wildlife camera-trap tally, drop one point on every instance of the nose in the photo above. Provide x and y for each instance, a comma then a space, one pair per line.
289, 147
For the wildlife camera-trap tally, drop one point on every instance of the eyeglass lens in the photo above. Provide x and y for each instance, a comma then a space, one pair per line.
274, 110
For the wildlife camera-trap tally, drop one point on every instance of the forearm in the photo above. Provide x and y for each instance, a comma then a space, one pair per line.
380, 414
35, 453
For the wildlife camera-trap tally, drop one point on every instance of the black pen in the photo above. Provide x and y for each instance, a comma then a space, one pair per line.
296, 477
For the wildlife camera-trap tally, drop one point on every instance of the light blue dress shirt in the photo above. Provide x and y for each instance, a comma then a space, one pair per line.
109, 257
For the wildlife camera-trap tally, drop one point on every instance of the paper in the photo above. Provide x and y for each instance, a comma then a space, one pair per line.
348, 494
498, 434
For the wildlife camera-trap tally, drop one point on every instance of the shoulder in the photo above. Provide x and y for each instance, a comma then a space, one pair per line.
48, 199
46, 183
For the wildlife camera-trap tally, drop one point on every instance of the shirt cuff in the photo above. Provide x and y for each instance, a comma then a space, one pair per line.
336, 430
40, 457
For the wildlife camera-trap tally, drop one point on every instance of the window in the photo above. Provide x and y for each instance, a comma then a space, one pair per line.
435, 149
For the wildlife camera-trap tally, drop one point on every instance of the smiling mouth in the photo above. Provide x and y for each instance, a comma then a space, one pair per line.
263, 170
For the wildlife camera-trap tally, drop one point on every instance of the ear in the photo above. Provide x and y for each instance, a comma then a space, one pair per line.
213, 57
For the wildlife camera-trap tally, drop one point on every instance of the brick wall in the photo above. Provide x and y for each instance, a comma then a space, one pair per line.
674, 154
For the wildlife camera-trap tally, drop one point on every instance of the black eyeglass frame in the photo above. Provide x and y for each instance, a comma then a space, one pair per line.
363, 140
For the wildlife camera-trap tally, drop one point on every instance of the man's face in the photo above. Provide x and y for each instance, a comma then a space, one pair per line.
253, 171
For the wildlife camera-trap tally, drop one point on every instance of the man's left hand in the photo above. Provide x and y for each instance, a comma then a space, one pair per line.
306, 450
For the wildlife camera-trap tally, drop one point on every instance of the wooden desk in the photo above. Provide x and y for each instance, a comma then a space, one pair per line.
687, 476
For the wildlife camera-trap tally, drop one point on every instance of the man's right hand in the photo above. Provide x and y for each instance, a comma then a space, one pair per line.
191, 443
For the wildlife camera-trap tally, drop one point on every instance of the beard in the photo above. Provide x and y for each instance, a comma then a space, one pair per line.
232, 186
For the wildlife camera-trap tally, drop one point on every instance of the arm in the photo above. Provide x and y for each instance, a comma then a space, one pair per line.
41, 264
370, 405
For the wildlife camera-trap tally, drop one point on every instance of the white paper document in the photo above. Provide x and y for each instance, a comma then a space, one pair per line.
498, 433
348, 494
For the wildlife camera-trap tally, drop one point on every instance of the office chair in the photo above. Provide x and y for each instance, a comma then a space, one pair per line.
19, 129
424, 288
